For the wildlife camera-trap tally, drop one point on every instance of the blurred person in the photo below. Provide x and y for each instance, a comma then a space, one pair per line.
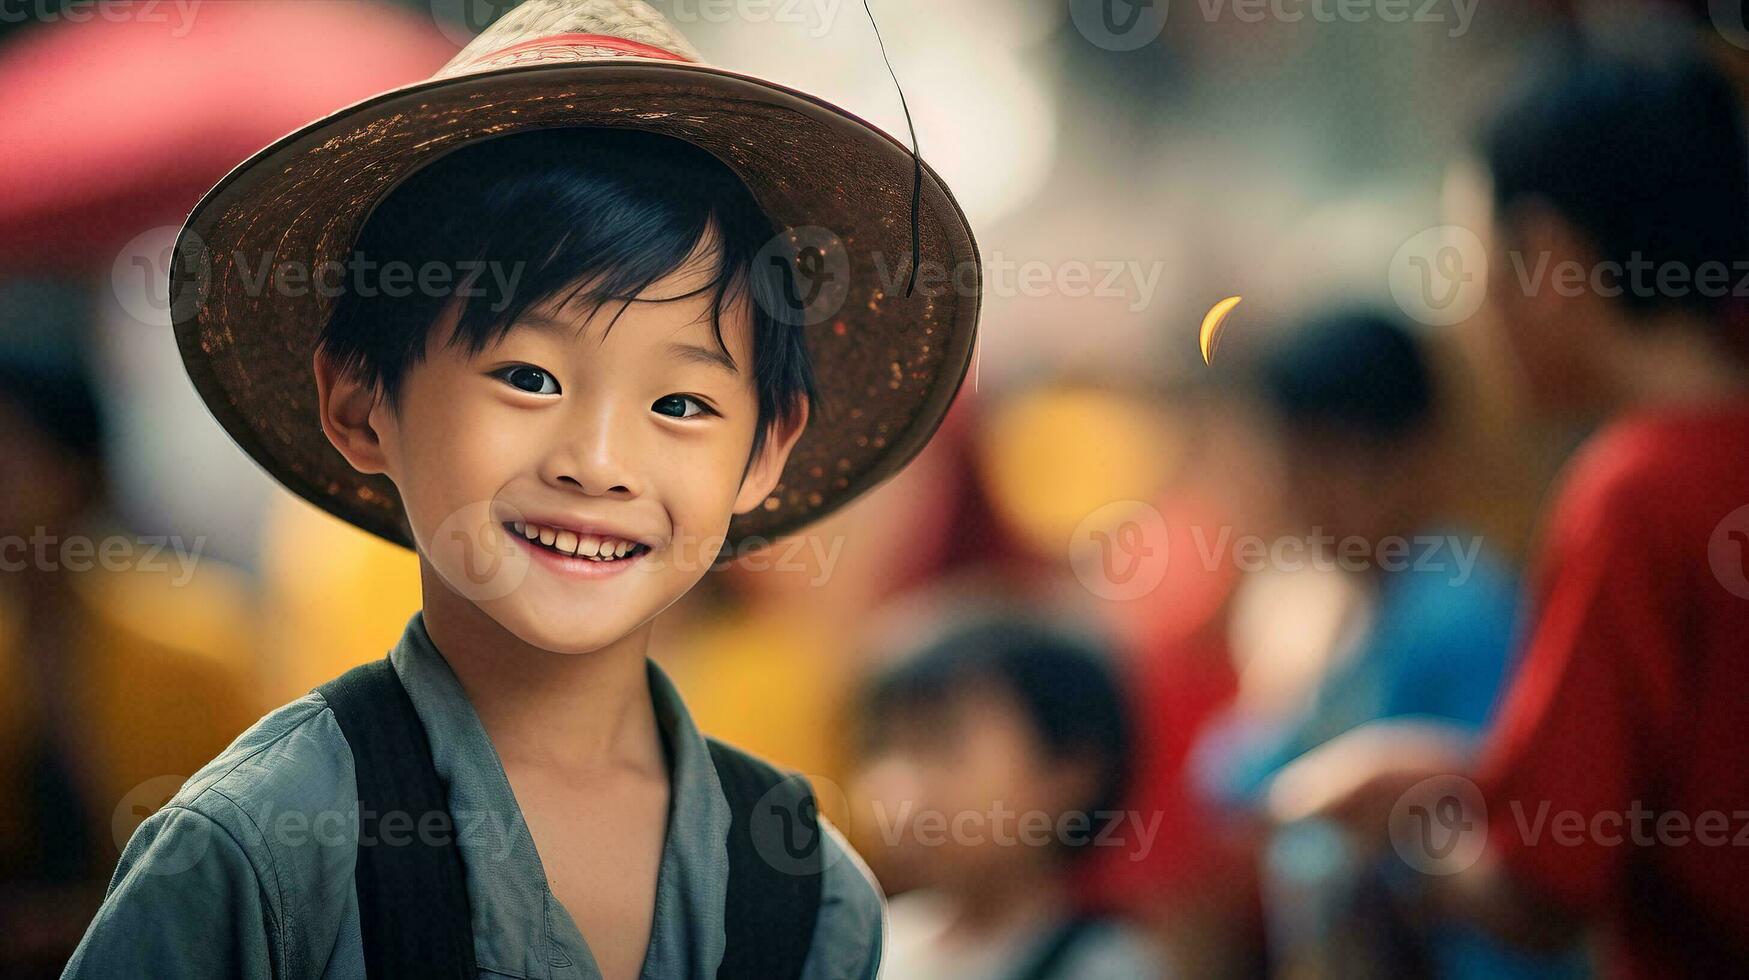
1629, 700
1012, 738
1361, 423
125, 661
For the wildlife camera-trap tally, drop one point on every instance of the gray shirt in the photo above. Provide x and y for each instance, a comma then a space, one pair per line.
248, 870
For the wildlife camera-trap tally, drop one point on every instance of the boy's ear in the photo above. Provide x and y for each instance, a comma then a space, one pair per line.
345, 404
766, 468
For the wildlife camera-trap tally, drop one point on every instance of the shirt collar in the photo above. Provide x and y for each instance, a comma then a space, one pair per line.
520, 928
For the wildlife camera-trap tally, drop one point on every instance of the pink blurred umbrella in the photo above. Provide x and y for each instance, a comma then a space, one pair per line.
119, 123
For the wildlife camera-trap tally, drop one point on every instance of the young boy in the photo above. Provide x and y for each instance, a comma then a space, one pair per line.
624, 382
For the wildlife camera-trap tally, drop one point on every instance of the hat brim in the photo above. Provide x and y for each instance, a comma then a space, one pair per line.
888, 365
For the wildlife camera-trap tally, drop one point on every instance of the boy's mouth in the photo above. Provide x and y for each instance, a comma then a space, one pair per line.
569, 544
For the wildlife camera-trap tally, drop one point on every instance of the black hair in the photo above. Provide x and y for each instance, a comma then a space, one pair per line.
1645, 154
1357, 370
603, 213
1062, 682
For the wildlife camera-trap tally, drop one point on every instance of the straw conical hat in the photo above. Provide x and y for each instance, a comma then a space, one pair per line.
888, 364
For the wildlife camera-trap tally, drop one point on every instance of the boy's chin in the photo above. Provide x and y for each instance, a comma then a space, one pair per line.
578, 629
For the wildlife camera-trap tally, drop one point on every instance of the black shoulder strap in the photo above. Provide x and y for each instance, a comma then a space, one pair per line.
412, 894
775, 848
775, 863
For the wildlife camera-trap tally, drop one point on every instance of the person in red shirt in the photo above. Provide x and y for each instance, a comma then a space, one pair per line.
1611, 791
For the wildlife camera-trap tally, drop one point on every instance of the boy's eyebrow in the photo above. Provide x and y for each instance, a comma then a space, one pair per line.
690, 352
706, 355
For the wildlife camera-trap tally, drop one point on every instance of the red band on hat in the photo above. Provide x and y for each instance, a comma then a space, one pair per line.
623, 45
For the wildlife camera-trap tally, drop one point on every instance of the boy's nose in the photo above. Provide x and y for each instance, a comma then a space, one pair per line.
595, 460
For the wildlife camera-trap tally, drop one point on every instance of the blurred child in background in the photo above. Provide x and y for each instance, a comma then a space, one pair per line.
996, 759
1628, 164
1362, 422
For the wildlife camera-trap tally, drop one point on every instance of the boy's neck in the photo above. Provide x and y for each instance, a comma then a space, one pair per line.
578, 713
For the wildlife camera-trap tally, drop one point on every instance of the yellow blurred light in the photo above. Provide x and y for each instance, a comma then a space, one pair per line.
1053, 456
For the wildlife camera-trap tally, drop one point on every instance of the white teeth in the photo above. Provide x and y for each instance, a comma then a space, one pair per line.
592, 546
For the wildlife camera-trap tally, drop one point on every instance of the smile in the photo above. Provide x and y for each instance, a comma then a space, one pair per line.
566, 543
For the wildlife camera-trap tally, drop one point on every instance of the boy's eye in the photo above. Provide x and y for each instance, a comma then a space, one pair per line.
675, 406
528, 378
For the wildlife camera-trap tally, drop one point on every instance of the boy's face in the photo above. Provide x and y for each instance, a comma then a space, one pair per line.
563, 427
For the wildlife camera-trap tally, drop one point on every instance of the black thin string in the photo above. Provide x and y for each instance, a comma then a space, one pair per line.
916, 161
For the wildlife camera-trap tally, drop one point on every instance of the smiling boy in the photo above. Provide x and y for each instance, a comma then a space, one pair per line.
517, 789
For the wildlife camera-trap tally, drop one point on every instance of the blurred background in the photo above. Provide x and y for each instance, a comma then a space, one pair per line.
1126, 168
